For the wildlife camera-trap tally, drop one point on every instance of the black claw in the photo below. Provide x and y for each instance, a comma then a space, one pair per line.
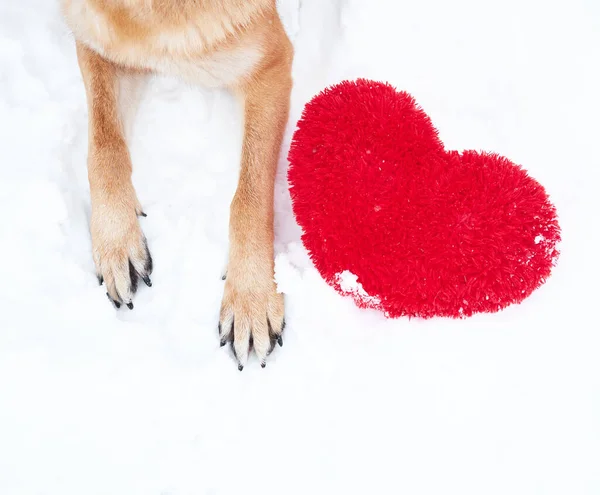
231, 338
149, 264
130, 305
224, 277
263, 365
275, 337
116, 303
147, 280
280, 338
100, 279
143, 214
133, 278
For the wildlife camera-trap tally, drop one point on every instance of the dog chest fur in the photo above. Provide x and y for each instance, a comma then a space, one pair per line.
194, 41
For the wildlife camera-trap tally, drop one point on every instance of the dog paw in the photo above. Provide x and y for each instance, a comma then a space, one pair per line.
252, 316
121, 253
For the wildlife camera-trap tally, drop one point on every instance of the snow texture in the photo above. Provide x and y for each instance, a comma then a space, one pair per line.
96, 401
349, 284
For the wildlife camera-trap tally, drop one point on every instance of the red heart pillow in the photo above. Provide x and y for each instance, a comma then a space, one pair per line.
393, 219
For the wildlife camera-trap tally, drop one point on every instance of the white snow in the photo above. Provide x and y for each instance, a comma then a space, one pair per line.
349, 284
95, 401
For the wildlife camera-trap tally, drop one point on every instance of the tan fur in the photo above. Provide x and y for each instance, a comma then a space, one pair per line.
238, 44
211, 42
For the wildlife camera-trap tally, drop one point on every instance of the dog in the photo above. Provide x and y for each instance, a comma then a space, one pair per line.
235, 44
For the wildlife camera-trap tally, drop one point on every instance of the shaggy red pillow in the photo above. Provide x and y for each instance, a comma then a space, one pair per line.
393, 219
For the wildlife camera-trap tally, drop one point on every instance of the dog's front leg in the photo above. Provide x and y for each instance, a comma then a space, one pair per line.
252, 312
119, 246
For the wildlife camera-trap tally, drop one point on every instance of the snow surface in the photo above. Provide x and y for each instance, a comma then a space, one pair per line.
98, 401
349, 284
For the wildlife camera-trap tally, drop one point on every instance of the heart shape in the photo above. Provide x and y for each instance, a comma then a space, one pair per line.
404, 226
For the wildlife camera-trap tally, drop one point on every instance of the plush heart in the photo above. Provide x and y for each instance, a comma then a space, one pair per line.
402, 225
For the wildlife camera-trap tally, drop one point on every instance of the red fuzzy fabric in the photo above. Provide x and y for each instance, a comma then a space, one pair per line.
427, 232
